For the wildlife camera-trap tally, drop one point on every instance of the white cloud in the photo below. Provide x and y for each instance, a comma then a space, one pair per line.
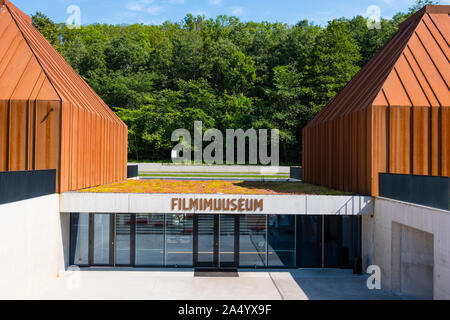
215, 2
237, 11
146, 6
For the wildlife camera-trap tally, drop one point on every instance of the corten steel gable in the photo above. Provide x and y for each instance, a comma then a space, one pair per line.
392, 117
49, 116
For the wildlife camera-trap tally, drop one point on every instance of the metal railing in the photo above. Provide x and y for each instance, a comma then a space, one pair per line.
22, 185
132, 171
430, 191
296, 173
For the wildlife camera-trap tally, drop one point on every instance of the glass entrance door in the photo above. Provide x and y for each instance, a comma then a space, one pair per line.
228, 240
206, 240
216, 241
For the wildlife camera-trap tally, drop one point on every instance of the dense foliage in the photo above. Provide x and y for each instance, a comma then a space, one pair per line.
224, 72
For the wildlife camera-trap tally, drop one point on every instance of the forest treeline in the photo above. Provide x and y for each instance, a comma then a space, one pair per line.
224, 72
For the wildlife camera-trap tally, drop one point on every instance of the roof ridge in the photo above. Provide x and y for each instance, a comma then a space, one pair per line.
406, 29
20, 12
436, 9
28, 44
25, 41
69, 85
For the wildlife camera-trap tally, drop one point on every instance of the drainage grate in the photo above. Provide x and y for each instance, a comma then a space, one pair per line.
219, 273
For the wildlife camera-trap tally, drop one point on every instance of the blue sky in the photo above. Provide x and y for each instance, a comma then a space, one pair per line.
158, 11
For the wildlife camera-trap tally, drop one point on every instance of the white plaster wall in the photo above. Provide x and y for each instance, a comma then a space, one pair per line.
389, 213
31, 246
161, 203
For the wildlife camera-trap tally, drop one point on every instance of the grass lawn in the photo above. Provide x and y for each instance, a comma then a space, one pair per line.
213, 187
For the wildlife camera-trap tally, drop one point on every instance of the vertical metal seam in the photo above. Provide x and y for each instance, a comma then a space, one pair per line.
164, 259
388, 134
59, 171
323, 241
27, 121
8, 128
431, 59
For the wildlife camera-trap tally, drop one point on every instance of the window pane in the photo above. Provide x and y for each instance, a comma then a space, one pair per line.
149, 239
179, 240
80, 238
281, 247
123, 239
206, 239
310, 238
252, 240
226, 240
351, 240
101, 239
333, 237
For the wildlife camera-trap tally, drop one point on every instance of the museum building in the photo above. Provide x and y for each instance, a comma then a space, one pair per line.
386, 130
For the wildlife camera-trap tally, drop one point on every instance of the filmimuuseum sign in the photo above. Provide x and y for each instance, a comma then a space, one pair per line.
219, 205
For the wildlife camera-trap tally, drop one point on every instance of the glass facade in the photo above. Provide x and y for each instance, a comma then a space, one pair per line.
149, 240
187, 240
351, 240
79, 239
227, 239
342, 241
206, 240
179, 240
309, 241
123, 239
332, 241
282, 244
253, 241
102, 239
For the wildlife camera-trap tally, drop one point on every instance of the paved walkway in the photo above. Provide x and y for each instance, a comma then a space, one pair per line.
299, 284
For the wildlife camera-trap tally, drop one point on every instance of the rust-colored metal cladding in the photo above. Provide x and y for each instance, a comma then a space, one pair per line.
49, 116
393, 116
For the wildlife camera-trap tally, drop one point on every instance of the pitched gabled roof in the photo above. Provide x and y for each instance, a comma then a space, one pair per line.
412, 69
30, 68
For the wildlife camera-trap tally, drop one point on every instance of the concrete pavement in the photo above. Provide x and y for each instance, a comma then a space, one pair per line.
176, 284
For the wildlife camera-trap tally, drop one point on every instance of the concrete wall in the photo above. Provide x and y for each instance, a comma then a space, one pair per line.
158, 167
367, 240
411, 245
161, 203
412, 261
31, 246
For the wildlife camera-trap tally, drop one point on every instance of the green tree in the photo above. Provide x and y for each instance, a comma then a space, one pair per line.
224, 72
47, 28
228, 68
333, 61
